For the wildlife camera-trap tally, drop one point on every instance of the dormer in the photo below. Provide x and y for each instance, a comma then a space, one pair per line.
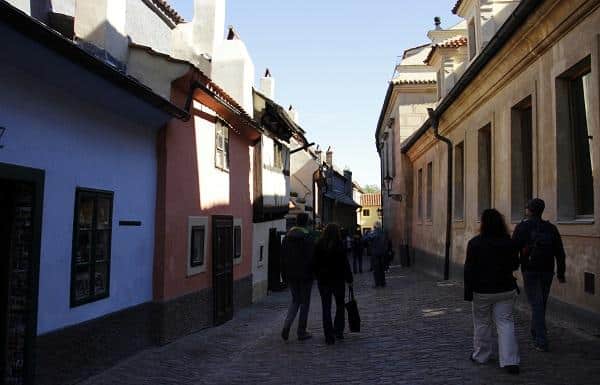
483, 19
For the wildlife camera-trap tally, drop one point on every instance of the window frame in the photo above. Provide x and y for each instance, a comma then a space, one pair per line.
472, 40
96, 194
366, 213
485, 131
222, 145
517, 118
195, 222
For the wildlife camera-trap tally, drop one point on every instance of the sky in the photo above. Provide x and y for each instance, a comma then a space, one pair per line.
332, 60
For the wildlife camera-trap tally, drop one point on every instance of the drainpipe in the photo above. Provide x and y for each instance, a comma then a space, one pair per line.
434, 124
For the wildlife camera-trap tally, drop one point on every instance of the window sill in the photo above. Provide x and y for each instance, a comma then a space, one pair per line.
581, 221
192, 271
225, 170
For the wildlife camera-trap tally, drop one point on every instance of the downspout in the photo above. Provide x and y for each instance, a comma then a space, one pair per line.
435, 125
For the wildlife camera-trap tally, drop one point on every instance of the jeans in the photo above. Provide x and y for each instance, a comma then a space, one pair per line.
300, 301
537, 287
357, 261
498, 306
338, 291
378, 270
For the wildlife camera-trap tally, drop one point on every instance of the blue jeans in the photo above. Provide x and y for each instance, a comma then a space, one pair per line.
337, 290
537, 287
300, 301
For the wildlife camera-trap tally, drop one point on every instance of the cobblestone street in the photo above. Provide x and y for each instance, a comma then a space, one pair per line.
415, 331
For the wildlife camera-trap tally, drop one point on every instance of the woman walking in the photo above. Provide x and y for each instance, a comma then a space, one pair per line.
332, 270
490, 285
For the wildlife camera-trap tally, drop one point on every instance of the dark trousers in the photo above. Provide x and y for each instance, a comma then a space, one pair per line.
379, 270
337, 290
300, 301
357, 261
537, 287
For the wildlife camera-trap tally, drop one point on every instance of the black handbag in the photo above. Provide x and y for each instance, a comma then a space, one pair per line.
353, 315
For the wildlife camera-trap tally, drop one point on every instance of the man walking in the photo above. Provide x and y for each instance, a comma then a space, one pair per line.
297, 255
539, 243
378, 248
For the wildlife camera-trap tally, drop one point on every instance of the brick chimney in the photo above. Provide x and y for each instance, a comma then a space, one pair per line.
267, 85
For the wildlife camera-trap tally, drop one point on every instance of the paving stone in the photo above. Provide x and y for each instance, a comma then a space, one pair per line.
415, 331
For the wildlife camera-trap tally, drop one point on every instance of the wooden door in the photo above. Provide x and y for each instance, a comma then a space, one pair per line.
222, 234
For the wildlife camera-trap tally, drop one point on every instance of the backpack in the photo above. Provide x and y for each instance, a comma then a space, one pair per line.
541, 244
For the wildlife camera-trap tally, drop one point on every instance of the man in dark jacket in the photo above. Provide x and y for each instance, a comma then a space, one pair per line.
378, 248
297, 255
540, 244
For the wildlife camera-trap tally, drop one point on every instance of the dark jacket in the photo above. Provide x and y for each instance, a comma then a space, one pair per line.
541, 263
489, 265
331, 263
377, 242
298, 254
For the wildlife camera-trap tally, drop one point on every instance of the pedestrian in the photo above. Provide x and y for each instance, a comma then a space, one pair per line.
378, 248
298, 256
357, 252
332, 269
539, 244
491, 286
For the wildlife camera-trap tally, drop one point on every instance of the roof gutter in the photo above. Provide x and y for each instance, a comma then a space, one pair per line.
388, 96
514, 22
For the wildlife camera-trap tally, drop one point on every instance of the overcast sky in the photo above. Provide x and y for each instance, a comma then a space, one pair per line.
332, 59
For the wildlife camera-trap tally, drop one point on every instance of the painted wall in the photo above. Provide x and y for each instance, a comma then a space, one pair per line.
260, 268
489, 100
145, 27
275, 184
82, 144
193, 186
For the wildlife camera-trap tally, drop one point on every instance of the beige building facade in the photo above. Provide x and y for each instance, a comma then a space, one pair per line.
520, 119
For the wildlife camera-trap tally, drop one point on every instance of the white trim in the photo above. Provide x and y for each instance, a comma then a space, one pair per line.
196, 221
238, 222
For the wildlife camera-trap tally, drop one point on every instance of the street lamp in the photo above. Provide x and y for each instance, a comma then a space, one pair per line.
388, 186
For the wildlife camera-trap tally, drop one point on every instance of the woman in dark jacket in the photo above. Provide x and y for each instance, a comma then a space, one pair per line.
490, 285
332, 270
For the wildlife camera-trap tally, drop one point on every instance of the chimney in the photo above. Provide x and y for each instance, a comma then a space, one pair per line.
100, 28
348, 176
293, 114
329, 157
267, 85
319, 154
437, 21
208, 25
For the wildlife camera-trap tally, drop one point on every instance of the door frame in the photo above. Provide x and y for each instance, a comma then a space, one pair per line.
36, 177
215, 220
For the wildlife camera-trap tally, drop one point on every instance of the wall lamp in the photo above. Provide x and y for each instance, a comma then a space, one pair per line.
388, 186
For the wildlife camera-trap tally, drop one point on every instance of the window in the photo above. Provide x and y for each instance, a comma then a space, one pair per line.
221, 146
420, 194
92, 233
197, 245
237, 240
484, 187
428, 208
278, 160
472, 40
366, 213
574, 143
459, 181
521, 158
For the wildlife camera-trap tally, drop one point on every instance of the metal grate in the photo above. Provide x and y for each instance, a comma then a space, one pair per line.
589, 283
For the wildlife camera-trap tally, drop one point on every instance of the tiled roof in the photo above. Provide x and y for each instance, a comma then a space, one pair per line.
372, 199
456, 6
414, 82
415, 77
169, 11
454, 42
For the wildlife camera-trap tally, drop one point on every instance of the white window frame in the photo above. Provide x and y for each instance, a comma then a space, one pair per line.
193, 222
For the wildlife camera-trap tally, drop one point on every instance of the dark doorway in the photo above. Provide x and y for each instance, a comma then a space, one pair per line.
20, 227
223, 268
276, 281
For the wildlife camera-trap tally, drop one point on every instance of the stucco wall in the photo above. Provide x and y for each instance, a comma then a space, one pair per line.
260, 269
145, 27
80, 144
490, 101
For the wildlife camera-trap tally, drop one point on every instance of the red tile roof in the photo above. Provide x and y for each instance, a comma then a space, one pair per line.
165, 7
455, 42
456, 6
372, 199
398, 81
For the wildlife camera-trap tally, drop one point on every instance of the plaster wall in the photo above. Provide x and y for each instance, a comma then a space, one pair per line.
144, 27
82, 144
567, 33
233, 70
302, 168
260, 267
23, 5
64, 7
275, 184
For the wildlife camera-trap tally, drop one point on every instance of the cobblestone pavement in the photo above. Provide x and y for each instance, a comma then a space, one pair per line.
415, 331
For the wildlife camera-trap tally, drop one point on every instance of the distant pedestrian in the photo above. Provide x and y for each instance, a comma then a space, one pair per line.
357, 252
378, 248
332, 269
539, 244
298, 258
491, 286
